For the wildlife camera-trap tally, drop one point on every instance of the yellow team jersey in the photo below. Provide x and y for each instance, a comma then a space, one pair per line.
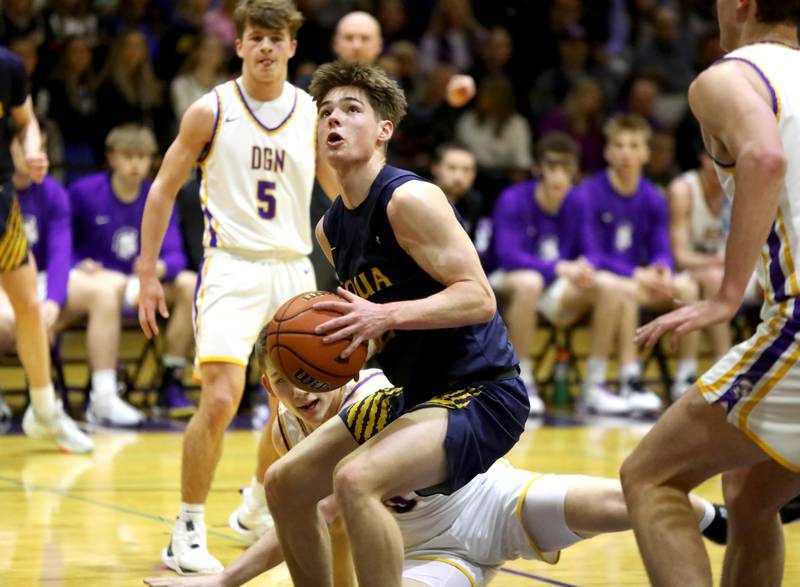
258, 172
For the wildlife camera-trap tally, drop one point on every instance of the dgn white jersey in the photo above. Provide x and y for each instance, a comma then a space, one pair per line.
258, 172
706, 233
778, 66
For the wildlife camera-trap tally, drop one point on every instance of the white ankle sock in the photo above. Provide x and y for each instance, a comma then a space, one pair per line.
44, 401
596, 371
194, 512
257, 498
686, 368
104, 382
708, 514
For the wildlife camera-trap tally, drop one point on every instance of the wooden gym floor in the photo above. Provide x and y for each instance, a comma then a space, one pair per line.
103, 519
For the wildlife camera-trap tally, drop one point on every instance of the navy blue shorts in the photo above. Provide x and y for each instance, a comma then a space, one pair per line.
485, 420
13, 243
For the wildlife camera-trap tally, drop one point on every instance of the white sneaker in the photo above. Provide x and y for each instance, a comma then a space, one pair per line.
537, 405
598, 399
644, 402
111, 410
60, 428
251, 519
641, 399
680, 387
187, 552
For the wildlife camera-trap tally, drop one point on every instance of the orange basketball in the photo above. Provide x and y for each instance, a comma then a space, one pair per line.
300, 355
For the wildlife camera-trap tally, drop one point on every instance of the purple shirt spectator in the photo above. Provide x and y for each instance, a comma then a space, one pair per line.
107, 230
625, 232
527, 237
48, 225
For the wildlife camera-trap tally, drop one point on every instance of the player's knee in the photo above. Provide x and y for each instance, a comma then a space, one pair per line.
350, 479
185, 283
217, 410
276, 483
687, 289
632, 477
525, 284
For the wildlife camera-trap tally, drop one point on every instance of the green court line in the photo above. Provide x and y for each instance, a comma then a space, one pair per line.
110, 506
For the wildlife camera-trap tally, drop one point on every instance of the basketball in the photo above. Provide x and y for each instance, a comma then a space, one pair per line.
298, 352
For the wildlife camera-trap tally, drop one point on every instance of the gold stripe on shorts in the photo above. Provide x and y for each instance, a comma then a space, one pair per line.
13, 244
371, 415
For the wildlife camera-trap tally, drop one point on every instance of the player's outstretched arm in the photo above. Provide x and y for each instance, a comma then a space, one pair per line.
734, 106
195, 133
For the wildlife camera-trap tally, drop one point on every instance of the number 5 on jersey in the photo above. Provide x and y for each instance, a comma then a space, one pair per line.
265, 193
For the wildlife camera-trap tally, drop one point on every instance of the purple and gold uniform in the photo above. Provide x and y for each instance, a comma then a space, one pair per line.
48, 226
13, 93
625, 232
107, 229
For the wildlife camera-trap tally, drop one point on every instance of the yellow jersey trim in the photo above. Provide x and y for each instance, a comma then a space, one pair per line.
518, 512
461, 568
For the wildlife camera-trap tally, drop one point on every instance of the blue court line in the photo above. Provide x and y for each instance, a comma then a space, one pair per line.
110, 506
535, 577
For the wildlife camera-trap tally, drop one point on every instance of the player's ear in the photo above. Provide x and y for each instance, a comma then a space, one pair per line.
386, 131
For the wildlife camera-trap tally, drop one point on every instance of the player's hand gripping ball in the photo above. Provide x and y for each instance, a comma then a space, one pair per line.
300, 355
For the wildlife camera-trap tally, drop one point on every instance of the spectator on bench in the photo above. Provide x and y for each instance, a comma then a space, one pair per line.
539, 248
107, 213
628, 232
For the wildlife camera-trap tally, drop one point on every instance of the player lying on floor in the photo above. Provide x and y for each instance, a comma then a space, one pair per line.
457, 540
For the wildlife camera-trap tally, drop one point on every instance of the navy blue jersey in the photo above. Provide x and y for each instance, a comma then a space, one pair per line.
13, 93
371, 264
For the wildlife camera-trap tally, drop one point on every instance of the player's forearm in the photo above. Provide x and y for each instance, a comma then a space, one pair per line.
262, 556
460, 304
687, 260
155, 220
759, 180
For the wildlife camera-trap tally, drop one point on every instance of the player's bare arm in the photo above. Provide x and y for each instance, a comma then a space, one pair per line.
195, 132
31, 140
734, 107
426, 227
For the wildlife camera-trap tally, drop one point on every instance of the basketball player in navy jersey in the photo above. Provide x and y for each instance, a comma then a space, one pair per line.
45, 417
413, 285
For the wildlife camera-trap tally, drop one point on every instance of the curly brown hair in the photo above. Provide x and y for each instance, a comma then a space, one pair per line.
270, 14
384, 94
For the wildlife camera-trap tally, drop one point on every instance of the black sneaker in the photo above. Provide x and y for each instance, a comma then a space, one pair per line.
717, 530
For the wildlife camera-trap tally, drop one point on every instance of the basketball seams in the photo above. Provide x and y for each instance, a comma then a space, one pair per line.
312, 365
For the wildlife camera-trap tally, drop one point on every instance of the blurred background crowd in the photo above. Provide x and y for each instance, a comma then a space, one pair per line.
539, 65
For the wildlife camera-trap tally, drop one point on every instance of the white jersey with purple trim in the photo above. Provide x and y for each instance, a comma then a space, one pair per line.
369, 381
757, 381
258, 172
777, 64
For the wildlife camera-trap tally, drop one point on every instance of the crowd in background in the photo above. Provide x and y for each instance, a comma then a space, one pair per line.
539, 66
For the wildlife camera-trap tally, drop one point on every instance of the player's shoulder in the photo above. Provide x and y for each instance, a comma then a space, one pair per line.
53, 188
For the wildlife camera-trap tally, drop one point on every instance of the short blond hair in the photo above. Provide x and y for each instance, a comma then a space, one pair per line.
384, 94
132, 138
628, 123
270, 14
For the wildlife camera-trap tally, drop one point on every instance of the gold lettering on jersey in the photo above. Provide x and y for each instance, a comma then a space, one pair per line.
367, 283
267, 158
